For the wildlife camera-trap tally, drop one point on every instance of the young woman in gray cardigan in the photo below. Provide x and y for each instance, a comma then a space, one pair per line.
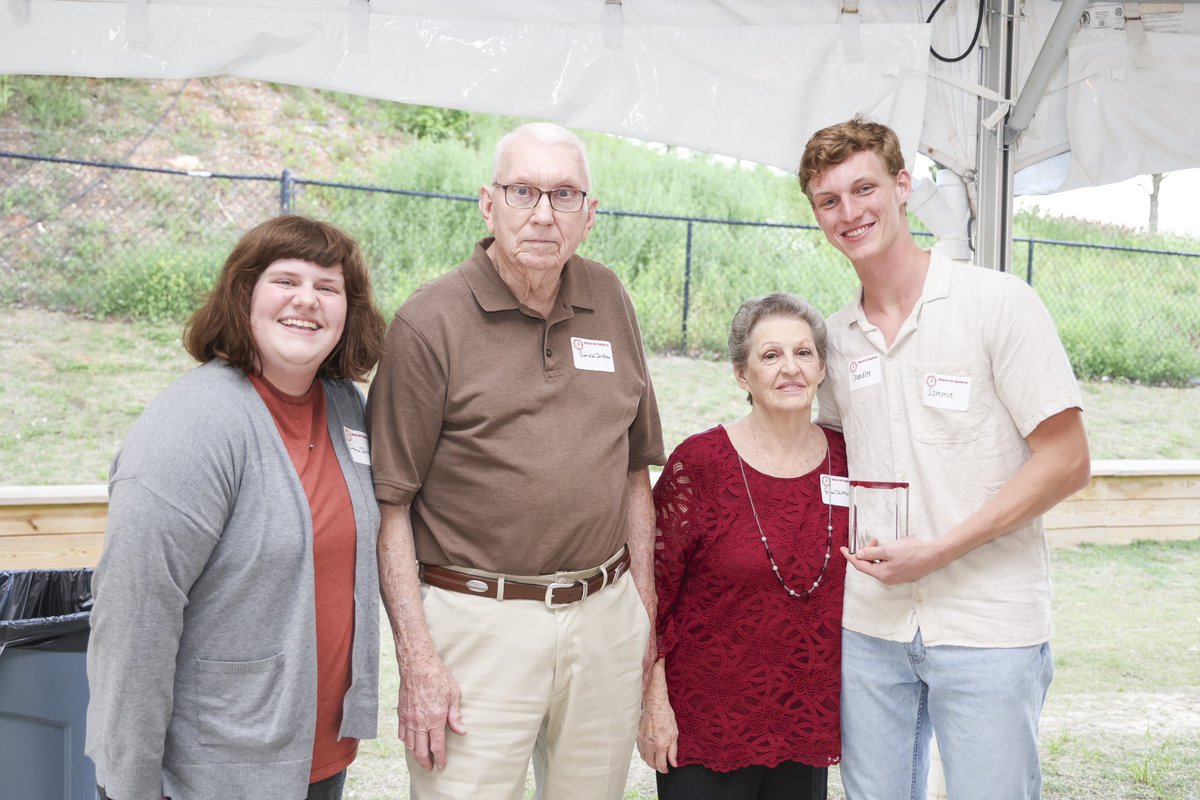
238, 587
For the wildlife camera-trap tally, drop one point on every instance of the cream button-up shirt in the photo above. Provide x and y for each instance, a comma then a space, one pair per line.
973, 370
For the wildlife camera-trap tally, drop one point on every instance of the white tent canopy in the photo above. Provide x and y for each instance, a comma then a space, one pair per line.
745, 78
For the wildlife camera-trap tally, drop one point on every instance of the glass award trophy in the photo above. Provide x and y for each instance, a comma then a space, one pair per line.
878, 510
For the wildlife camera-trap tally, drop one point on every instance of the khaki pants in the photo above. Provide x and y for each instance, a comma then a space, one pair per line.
563, 686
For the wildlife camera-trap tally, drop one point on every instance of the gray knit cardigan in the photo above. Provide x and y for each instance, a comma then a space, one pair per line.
202, 659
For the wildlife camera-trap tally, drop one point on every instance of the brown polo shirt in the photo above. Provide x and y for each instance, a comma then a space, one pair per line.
510, 434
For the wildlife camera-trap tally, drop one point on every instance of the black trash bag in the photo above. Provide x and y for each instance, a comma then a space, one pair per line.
46, 608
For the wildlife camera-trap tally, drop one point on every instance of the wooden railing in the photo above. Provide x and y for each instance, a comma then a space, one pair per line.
1130, 500
52, 526
63, 526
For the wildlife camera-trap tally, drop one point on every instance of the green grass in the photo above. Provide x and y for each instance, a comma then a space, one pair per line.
1133, 421
1098, 742
92, 114
1122, 658
1155, 767
72, 386
1120, 315
1123, 718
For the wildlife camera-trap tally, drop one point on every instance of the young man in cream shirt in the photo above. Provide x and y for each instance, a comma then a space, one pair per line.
950, 378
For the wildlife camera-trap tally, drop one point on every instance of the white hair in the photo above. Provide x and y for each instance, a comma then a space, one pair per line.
547, 133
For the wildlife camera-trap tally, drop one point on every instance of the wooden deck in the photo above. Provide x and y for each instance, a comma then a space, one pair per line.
63, 526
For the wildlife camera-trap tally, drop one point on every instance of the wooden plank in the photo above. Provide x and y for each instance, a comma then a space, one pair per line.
41, 520
1078, 502
63, 526
1144, 486
53, 495
1154, 486
1097, 489
1126, 513
51, 552
1135, 467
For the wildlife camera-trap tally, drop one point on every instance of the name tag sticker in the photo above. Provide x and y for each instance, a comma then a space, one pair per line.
835, 490
946, 391
865, 371
595, 355
356, 443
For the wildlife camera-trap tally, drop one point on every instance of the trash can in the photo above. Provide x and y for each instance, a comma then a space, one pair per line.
43, 684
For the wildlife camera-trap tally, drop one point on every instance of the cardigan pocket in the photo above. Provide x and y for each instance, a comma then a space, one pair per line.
240, 708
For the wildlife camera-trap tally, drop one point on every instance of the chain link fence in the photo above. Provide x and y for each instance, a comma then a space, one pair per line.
111, 240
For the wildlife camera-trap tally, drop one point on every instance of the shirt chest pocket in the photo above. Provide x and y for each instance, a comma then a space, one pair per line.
947, 402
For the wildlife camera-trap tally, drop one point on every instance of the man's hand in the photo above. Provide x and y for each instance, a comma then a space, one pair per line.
658, 734
639, 528
902, 561
429, 695
429, 703
1059, 464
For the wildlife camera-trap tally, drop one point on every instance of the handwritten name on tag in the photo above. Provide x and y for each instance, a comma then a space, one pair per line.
865, 371
356, 443
595, 355
835, 490
946, 391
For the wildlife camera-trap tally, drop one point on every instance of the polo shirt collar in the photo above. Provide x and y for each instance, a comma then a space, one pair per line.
937, 287
493, 294
937, 280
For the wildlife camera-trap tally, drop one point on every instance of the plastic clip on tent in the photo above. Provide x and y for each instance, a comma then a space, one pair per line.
43, 684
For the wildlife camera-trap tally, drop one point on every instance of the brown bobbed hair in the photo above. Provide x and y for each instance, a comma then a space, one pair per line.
833, 145
777, 304
221, 327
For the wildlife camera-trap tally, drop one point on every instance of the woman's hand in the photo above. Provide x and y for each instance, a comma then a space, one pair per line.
658, 735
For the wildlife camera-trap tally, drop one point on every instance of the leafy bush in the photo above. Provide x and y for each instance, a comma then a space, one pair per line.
432, 123
116, 243
1123, 314
161, 285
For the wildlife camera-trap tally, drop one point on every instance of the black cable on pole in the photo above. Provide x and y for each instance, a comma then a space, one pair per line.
974, 39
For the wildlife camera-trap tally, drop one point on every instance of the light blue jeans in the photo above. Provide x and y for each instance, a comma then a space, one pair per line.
982, 702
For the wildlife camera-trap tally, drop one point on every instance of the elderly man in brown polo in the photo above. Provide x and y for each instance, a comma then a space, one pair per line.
512, 421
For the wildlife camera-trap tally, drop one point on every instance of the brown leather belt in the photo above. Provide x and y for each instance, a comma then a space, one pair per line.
555, 594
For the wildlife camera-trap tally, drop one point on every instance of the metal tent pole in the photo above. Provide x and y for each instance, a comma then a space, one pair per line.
994, 170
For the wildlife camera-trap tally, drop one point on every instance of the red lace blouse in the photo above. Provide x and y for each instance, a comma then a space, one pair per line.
753, 674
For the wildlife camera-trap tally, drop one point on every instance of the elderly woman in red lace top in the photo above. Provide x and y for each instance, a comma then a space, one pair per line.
743, 700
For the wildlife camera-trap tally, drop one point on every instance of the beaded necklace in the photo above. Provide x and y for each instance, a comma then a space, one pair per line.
763, 536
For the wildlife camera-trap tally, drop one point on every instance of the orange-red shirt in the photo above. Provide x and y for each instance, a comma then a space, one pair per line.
302, 426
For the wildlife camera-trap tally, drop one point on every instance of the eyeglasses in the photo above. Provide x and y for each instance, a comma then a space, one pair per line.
562, 198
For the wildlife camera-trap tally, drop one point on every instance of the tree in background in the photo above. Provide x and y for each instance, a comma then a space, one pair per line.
1155, 184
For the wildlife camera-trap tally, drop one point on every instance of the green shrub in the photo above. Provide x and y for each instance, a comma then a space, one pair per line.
162, 285
117, 243
1123, 314
430, 122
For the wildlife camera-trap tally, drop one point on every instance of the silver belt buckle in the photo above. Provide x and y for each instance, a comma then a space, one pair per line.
550, 604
